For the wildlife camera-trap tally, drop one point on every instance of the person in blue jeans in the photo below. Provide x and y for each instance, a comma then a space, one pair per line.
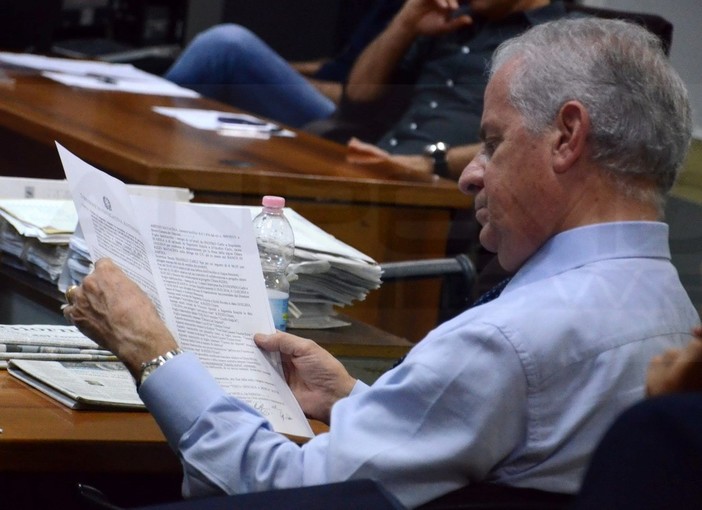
232, 64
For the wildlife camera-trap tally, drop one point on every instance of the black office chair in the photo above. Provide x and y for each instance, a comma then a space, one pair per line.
486, 496
349, 495
352, 495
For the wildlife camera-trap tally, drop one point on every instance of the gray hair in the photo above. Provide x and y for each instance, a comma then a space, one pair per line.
638, 105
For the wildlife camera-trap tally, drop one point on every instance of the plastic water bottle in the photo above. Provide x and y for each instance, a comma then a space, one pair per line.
276, 244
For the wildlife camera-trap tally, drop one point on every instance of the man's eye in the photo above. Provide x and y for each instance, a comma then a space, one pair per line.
489, 147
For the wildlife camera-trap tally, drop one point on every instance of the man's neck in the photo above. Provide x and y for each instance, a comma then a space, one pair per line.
600, 200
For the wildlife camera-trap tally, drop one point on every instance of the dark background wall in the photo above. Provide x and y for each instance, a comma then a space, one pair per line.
285, 21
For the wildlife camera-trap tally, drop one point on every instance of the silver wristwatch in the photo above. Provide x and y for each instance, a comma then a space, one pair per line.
149, 366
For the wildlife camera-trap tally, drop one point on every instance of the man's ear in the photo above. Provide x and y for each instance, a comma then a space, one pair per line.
572, 130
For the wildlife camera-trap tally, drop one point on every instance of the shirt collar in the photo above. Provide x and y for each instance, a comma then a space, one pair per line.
591, 243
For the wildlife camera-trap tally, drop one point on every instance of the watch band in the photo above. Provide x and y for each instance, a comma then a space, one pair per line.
437, 151
149, 366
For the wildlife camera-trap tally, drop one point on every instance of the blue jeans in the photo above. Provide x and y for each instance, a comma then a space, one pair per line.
231, 64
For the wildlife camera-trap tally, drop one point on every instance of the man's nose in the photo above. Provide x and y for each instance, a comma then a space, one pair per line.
471, 180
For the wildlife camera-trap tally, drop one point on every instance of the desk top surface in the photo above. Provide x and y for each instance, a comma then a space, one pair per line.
40, 434
120, 133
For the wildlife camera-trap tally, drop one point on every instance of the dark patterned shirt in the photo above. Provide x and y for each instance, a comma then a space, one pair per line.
448, 76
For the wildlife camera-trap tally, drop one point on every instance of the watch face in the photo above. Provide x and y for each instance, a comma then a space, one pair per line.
435, 149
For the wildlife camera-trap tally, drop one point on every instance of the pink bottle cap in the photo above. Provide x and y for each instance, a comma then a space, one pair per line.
273, 202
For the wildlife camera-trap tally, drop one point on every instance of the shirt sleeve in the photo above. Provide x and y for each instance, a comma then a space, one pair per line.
446, 416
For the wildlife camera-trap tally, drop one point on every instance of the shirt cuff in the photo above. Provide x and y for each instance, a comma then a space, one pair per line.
177, 393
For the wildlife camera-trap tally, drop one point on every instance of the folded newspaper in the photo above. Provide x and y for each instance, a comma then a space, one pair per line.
48, 342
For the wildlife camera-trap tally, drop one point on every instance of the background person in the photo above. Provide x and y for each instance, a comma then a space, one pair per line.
231, 64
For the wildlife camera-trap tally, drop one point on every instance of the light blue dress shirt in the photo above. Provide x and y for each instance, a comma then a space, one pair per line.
517, 391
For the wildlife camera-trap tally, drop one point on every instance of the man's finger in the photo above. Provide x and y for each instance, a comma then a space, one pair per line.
285, 343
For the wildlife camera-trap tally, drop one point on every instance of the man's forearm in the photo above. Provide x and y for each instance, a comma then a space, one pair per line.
330, 89
375, 66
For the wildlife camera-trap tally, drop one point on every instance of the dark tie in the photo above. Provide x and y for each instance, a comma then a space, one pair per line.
491, 294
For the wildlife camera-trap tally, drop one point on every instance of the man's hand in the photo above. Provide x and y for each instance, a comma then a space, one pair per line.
112, 310
363, 153
458, 157
316, 378
677, 370
373, 70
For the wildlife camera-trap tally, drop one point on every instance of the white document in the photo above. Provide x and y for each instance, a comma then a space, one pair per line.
200, 266
225, 123
97, 75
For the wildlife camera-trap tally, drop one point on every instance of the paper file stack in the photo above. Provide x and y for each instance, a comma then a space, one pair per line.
41, 236
34, 233
326, 273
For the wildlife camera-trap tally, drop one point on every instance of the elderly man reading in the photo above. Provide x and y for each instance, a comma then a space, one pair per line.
584, 129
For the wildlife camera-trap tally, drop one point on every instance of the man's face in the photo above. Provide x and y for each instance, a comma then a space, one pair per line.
515, 193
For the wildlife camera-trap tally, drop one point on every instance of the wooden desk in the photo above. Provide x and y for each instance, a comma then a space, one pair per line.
381, 209
45, 444
46, 449
358, 340
39, 435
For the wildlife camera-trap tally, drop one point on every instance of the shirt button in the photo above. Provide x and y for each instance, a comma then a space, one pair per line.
393, 142
413, 126
433, 104
465, 50
449, 83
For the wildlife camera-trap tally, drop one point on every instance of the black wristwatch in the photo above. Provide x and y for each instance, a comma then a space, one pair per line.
437, 151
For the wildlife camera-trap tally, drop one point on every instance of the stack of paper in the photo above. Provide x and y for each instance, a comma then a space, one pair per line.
34, 233
37, 225
41, 236
325, 273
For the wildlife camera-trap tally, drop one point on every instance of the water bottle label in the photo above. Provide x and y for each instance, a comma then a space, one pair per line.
279, 307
